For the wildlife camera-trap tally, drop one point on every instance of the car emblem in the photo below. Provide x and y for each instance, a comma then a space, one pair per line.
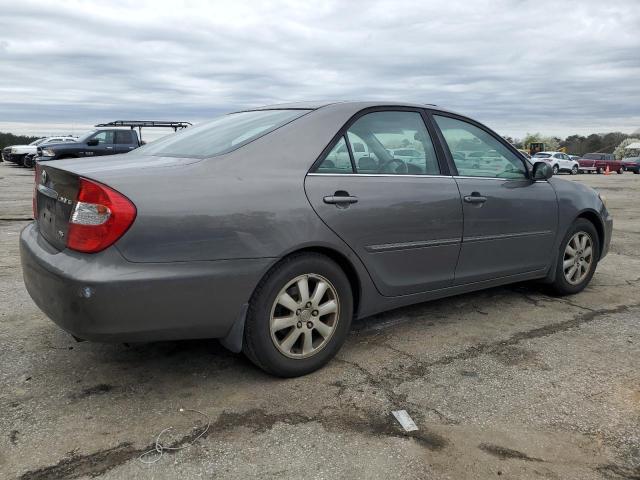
43, 177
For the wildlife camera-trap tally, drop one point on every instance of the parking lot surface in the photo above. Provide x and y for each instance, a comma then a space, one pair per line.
504, 383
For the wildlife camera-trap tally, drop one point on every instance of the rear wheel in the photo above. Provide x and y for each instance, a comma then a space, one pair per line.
620, 170
299, 316
577, 259
600, 170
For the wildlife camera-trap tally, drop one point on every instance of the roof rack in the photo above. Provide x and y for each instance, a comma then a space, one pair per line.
145, 123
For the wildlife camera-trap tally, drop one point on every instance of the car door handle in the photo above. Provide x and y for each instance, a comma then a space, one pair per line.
340, 199
475, 198
109, 148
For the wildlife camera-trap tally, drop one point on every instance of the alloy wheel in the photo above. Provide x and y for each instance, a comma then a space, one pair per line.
578, 258
304, 316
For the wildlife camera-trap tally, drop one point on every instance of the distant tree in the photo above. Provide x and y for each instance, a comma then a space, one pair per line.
594, 143
8, 139
622, 152
575, 144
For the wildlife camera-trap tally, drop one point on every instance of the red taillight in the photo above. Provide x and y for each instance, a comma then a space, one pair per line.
34, 201
100, 217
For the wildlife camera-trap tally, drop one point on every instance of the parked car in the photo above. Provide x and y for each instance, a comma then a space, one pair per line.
7, 155
101, 141
631, 164
245, 229
598, 162
23, 154
560, 162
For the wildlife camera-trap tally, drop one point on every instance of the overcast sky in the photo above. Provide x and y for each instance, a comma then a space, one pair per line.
550, 66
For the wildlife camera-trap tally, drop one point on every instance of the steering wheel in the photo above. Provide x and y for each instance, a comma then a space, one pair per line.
401, 168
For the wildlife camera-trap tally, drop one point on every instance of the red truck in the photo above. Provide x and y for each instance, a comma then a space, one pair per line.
598, 162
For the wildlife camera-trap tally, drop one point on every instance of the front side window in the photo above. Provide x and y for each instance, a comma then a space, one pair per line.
104, 138
337, 160
222, 135
476, 153
392, 143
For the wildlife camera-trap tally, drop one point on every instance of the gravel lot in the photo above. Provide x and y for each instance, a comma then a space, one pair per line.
506, 382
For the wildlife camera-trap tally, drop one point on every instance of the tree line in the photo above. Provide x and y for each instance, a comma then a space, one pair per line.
576, 144
7, 139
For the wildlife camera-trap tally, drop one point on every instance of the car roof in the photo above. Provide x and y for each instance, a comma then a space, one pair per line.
551, 153
359, 105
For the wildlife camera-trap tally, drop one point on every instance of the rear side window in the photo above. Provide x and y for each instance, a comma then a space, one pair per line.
124, 137
337, 160
477, 153
221, 135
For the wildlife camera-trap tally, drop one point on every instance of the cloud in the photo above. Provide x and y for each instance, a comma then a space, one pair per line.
555, 67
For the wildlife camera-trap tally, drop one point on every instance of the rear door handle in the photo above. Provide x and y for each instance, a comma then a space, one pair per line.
475, 198
339, 199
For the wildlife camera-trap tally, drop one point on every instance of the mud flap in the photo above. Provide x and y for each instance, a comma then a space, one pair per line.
233, 340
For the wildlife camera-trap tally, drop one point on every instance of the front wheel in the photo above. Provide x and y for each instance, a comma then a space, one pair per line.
299, 316
556, 169
574, 170
600, 170
578, 257
620, 171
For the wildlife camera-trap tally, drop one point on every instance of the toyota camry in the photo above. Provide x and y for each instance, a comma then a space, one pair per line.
271, 229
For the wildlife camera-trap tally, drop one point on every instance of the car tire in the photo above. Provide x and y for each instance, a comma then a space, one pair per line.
278, 347
556, 170
574, 170
636, 172
620, 171
28, 162
600, 171
574, 271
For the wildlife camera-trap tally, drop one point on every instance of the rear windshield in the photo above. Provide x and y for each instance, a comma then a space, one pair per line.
542, 155
221, 135
593, 156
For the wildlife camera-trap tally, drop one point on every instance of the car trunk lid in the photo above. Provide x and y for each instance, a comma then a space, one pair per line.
55, 193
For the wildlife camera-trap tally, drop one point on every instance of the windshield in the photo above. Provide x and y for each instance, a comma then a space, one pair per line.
221, 135
38, 142
542, 155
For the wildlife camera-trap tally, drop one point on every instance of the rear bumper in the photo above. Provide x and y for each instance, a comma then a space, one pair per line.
103, 297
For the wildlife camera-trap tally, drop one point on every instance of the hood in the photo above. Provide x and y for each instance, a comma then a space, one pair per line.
62, 144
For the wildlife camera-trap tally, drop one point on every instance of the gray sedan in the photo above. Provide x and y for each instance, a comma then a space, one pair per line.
267, 229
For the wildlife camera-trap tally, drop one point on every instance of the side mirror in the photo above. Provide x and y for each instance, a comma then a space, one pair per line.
542, 171
93, 142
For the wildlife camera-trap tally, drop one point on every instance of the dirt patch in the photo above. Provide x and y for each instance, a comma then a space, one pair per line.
504, 453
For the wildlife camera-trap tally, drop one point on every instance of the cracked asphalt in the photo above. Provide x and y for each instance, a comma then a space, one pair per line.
508, 382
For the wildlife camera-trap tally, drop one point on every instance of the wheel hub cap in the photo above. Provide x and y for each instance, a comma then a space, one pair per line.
308, 301
578, 258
